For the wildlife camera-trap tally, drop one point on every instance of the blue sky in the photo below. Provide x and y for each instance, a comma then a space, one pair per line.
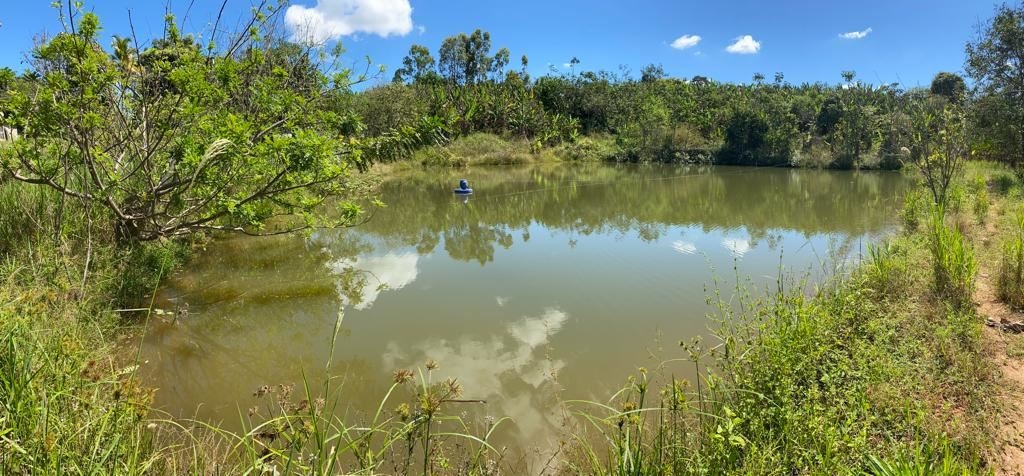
899, 40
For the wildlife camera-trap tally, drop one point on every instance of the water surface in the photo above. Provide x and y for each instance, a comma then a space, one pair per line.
547, 283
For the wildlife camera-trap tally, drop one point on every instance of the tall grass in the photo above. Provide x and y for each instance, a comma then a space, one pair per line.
982, 202
886, 270
63, 406
69, 401
915, 207
1003, 182
1010, 282
477, 149
301, 433
953, 263
27, 212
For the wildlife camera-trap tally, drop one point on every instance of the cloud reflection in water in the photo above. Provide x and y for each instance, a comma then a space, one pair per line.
509, 371
738, 247
390, 271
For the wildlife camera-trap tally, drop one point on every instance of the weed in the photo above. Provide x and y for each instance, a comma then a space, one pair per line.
953, 263
914, 208
1010, 282
982, 203
886, 269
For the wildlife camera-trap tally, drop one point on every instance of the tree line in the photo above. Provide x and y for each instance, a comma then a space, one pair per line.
653, 117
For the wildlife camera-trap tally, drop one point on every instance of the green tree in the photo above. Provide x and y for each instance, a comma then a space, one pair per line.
940, 146
950, 86
651, 73
995, 60
417, 66
829, 115
7, 78
171, 140
745, 137
465, 59
8, 81
854, 132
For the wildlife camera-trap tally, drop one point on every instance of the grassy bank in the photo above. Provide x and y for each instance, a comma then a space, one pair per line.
878, 372
69, 399
485, 149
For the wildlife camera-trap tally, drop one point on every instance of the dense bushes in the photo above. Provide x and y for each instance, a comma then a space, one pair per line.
655, 118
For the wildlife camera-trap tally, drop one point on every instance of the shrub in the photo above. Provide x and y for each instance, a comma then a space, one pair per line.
479, 148
1002, 182
143, 266
597, 148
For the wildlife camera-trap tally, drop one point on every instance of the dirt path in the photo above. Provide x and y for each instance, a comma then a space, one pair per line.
1008, 457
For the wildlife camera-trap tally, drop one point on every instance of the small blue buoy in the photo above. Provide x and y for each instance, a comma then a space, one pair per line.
464, 187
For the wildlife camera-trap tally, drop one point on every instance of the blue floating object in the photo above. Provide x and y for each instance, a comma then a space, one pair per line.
464, 187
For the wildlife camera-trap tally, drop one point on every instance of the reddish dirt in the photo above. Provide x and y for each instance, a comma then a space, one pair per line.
1008, 448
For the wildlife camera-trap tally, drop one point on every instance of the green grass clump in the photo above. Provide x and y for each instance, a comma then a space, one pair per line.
923, 461
915, 206
1002, 182
982, 203
142, 267
477, 149
588, 149
953, 263
68, 403
1010, 282
886, 269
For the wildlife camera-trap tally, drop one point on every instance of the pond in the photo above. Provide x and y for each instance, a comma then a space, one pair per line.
548, 283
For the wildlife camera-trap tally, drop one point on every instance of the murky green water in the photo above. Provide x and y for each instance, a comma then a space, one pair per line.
547, 283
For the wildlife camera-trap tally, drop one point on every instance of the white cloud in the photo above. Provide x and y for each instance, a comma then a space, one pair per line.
686, 41
855, 35
332, 19
421, 29
744, 45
